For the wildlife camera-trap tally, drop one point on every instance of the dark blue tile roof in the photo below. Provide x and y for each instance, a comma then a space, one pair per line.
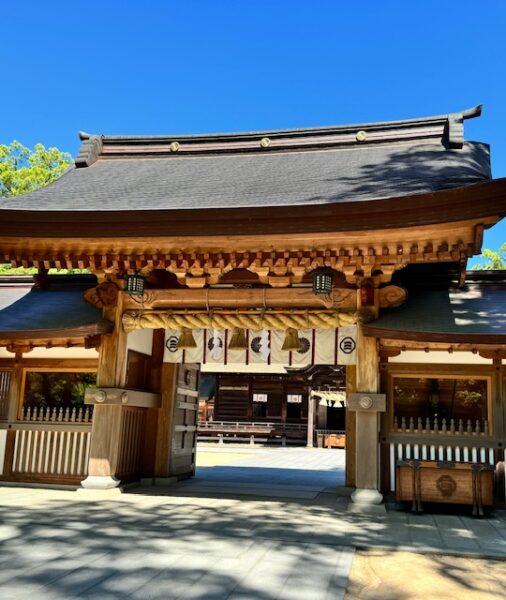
479, 309
36, 313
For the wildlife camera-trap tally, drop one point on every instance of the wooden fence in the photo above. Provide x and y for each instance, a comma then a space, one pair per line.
47, 445
40, 453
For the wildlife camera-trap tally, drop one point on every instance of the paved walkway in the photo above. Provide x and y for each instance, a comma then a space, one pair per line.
182, 542
266, 472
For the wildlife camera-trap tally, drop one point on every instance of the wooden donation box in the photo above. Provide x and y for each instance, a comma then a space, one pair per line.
439, 481
334, 440
330, 439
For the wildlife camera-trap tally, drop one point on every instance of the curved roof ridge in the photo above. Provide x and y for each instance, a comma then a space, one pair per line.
447, 129
469, 113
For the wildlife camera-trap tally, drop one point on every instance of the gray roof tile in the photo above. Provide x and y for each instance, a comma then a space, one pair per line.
316, 176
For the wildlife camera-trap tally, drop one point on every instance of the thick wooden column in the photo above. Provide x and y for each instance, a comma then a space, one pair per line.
113, 350
164, 436
15, 388
351, 428
107, 418
367, 403
7, 435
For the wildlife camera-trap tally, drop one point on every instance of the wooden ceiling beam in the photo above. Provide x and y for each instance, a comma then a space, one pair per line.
276, 297
316, 245
342, 298
280, 260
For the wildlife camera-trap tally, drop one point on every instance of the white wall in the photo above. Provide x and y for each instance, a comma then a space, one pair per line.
141, 340
242, 368
440, 357
75, 352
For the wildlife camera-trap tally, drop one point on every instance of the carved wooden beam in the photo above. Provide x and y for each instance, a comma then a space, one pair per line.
341, 298
288, 255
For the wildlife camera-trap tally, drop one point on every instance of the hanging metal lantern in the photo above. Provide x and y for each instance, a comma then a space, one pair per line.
322, 282
237, 339
186, 340
292, 341
134, 284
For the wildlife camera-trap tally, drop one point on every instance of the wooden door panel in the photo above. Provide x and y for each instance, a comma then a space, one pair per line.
184, 434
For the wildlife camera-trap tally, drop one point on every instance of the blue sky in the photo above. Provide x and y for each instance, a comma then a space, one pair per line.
221, 65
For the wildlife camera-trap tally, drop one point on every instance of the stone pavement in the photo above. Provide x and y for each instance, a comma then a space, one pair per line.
186, 542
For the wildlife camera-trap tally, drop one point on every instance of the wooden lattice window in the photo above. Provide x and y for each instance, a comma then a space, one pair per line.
5, 382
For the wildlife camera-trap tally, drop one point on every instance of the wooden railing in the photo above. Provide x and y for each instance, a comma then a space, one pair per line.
249, 426
446, 426
82, 414
250, 430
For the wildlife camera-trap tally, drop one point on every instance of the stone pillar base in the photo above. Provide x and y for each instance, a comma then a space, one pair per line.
367, 501
362, 496
100, 482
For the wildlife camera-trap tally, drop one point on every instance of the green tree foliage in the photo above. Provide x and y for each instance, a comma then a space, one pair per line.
23, 170
8, 269
493, 260
52, 389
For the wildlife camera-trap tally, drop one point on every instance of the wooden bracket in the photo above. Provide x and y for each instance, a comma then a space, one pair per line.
364, 401
103, 295
122, 397
19, 349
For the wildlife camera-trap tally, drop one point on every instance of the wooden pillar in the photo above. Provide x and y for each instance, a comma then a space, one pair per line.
367, 404
351, 427
165, 419
15, 388
310, 420
7, 435
498, 419
107, 418
113, 350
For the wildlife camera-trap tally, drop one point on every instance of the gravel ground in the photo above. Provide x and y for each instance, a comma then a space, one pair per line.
386, 575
